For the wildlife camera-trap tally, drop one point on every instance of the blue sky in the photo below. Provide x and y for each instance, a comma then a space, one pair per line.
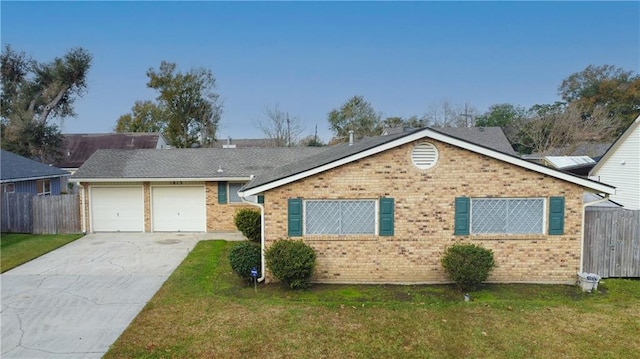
311, 57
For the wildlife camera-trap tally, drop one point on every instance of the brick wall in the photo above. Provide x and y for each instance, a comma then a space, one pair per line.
220, 216
424, 218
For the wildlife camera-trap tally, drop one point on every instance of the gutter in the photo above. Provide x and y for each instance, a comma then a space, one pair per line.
262, 260
82, 210
584, 209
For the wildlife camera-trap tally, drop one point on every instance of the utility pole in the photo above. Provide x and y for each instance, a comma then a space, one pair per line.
466, 114
288, 131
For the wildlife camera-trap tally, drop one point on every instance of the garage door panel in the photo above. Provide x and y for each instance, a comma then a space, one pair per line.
178, 209
117, 209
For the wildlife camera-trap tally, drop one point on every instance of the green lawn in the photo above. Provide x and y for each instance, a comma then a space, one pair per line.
204, 311
16, 249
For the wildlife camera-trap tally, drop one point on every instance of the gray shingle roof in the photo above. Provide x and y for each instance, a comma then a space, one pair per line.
15, 167
490, 137
189, 163
334, 153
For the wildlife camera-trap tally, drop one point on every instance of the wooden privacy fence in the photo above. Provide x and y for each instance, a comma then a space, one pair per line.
612, 242
26, 213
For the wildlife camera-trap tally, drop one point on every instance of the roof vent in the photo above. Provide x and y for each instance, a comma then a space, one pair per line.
424, 155
350, 137
229, 145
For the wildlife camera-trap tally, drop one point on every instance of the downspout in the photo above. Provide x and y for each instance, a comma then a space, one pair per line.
82, 210
584, 210
262, 260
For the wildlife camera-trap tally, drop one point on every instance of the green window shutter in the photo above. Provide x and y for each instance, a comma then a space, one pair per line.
556, 215
295, 217
462, 215
260, 198
386, 217
222, 192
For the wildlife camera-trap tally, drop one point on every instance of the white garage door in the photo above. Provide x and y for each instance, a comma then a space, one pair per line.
117, 209
178, 209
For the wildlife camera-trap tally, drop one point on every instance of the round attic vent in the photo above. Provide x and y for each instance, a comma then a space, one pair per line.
424, 155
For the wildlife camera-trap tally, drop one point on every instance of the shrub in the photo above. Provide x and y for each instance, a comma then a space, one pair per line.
243, 257
468, 265
248, 222
292, 262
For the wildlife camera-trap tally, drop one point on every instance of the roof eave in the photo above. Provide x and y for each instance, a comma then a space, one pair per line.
159, 179
20, 179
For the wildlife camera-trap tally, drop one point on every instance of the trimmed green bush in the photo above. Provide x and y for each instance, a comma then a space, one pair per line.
248, 222
468, 265
292, 262
243, 257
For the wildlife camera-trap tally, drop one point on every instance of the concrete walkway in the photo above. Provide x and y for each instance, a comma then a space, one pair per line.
75, 302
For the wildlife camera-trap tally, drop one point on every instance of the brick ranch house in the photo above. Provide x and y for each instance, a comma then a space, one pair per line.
384, 209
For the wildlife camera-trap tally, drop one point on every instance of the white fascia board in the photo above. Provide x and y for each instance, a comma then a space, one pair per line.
428, 133
13, 180
184, 179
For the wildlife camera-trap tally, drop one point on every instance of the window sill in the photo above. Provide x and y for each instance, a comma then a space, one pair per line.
504, 237
340, 237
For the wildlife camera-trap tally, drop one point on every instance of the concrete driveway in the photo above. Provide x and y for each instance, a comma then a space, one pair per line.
74, 302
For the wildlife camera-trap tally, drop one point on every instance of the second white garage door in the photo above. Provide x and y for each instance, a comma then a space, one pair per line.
178, 209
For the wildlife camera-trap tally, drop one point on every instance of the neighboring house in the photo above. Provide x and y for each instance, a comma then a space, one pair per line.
22, 175
620, 167
384, 209
77, 148
172, 190
578, 165
595, 150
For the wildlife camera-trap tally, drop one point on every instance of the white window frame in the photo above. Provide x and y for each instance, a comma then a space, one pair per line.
376, 215
544, 215
9, 188
41, 191
229, 201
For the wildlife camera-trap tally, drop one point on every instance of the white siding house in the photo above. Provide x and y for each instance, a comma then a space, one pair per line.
620, 167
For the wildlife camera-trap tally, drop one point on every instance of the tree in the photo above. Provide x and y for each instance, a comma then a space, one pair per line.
447, 114
34, 92
411, 122
279, 127
191, 107
607, 87
311, 141
564, 126
502, 115
145, 116
355, 115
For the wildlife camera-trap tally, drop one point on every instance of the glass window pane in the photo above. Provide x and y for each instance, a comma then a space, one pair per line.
509, 216
234, 187
322, 217
488, 216
525, 215
358, 217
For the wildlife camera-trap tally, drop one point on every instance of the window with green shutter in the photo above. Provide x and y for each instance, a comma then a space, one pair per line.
556, 215
462, 212
386, 216
222, 192
294, 222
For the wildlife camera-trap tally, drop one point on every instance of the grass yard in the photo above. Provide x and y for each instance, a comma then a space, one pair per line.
16, 249
205, 311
